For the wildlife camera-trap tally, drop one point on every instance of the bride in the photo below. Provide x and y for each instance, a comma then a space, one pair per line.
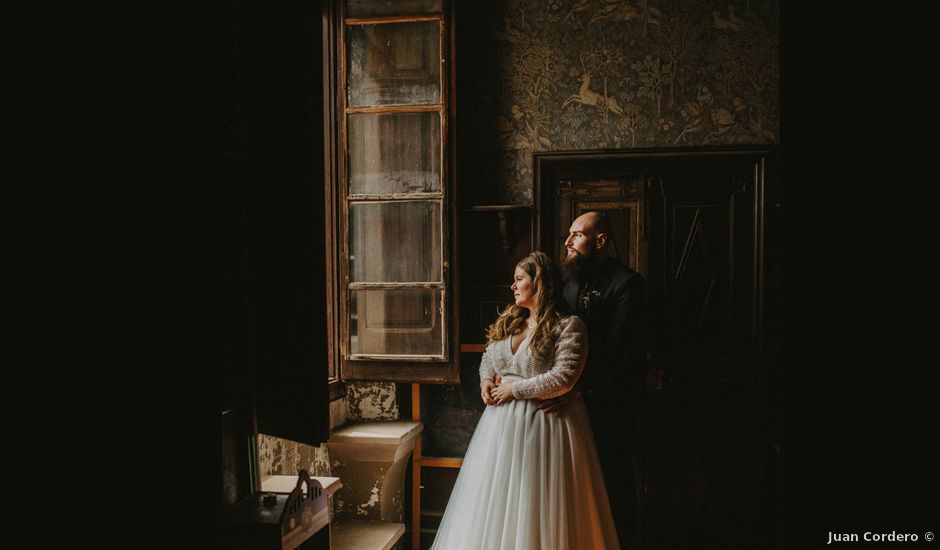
530, 479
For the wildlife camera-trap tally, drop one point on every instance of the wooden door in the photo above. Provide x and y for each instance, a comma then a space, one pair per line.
704, 266
693, 222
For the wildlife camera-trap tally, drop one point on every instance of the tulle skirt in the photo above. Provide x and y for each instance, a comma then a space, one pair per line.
529, 480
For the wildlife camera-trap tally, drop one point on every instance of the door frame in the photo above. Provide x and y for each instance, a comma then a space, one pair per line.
548, 165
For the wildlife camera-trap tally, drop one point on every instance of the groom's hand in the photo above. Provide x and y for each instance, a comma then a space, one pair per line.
560, 403
486, 387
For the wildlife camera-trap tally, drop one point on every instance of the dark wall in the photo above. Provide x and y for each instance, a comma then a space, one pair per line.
272, 201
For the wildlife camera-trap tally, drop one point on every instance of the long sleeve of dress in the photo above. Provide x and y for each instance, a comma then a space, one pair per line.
487, 370
571, 349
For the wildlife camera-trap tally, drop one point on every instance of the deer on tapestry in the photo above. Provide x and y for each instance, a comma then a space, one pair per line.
586, 96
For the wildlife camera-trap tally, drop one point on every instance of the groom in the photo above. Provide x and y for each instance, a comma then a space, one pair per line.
611, 300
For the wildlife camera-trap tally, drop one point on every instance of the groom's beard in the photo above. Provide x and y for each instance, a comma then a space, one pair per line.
577, 267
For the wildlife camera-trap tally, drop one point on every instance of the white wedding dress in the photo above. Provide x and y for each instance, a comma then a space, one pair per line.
530, 479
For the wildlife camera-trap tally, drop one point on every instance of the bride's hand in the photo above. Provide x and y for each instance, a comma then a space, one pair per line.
502, 393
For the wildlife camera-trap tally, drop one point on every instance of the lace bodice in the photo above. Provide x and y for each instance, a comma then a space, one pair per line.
535, 379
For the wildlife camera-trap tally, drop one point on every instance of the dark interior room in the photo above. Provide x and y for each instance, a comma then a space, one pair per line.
387, 165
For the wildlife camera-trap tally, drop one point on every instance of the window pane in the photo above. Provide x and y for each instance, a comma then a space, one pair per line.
396, 322
363, 8
394, 63
395, 153
395, 242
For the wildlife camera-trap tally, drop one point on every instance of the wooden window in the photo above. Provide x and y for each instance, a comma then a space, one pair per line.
391, 194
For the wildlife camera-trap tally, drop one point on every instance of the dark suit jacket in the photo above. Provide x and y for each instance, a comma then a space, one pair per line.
613, 306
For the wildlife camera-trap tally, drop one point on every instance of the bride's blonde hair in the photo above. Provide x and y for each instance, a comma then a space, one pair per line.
546, 281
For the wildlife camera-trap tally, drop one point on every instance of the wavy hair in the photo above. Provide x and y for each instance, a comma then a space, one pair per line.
546, 280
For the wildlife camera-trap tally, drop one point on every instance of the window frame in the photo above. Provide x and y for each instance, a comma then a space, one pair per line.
336, 112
